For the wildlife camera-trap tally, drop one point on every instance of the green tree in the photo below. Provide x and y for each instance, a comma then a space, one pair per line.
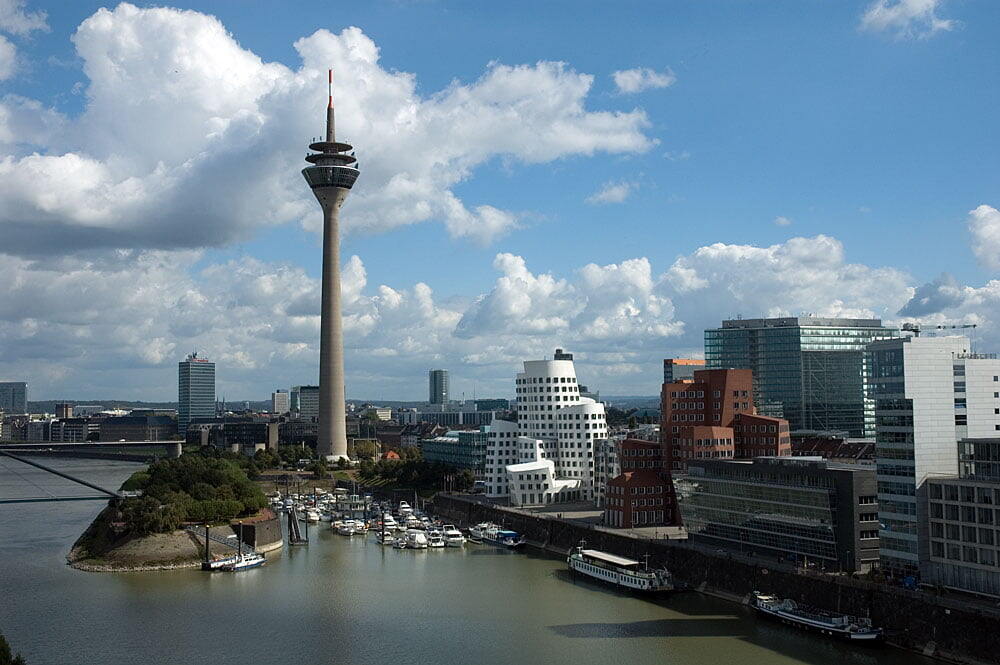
6, 657
464, 480
364, 449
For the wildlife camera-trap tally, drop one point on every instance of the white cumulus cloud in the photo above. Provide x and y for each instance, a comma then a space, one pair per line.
612, 192
984, 225
630, 81
212, 152
17, 20
782, 221
905, 18
8, 58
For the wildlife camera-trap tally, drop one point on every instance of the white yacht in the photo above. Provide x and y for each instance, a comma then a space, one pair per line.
312, 515
347, 528
452, 536
404, 509
389, 521
435, 538
399, 542
385, 537
416, 539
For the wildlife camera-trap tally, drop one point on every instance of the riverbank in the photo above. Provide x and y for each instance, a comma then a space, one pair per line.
96, 551
945, 628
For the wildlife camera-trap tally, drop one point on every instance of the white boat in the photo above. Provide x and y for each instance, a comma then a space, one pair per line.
346, 528
218, 563
843, 626
452, 536
404, 509
618, 571
312, 516
244, 561
385, 537
389, 521
360, 528
399, 542
493, 534
435, 538
416, 539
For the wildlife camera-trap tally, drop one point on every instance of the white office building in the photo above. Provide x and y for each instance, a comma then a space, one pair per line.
280, 402
547, 456
929, 392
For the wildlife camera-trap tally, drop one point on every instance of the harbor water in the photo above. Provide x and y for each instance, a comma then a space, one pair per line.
350, 601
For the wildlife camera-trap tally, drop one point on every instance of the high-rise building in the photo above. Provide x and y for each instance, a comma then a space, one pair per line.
807, 370
332, 173
64, 410
712, 416
675, 369
195, 391
437, 382
280, 402
14, 397
308, 398
929, 392
547, 456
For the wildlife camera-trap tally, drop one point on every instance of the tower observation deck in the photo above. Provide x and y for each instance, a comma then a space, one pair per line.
332, 174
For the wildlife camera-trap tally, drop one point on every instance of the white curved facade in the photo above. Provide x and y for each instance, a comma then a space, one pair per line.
548, 455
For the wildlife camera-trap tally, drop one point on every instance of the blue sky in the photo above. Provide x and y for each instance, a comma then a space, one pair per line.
865, 129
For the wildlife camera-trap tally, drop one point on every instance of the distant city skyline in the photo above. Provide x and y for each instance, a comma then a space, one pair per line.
613, 197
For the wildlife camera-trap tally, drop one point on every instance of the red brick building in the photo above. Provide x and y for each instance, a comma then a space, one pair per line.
759, 436
699, 418
643, 494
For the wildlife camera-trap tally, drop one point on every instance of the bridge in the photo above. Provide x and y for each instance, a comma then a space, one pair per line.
104, 493
140, 451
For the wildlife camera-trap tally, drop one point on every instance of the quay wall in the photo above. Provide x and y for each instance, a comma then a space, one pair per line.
263, 535
946, 628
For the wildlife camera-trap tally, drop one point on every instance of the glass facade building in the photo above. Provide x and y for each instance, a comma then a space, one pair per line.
13, 397
437, 386
462, 450
810, 371
195, 391
804, 509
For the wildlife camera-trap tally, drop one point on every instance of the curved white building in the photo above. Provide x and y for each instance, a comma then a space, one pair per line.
547, 456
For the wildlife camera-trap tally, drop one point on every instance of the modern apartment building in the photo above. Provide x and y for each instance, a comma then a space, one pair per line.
195, 391
807, 370
552, 443
964, 514
13, 397
437, 386
804, 509
712, 416
930, 392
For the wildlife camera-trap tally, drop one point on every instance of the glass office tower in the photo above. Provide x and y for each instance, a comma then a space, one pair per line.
810, 371
195, 391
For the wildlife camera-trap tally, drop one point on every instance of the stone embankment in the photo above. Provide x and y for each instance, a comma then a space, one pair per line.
948, 628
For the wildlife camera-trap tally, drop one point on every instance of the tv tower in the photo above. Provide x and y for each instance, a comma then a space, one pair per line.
331, 176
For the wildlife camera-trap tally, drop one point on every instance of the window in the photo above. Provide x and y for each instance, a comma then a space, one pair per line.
869, 534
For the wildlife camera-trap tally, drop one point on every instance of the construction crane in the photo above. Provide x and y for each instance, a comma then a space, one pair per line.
916, 328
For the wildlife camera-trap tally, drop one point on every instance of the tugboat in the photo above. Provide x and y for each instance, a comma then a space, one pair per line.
843, 626
618, 571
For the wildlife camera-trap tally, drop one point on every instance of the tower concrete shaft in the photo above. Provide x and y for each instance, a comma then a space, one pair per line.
331, 177
332, 439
